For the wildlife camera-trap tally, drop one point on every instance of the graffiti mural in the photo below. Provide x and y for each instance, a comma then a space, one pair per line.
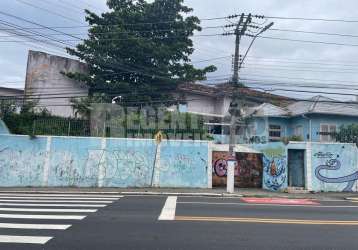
335, 170
89, 162
21, 161
129, 164
248, 170
274, 165
74, 162
184, 164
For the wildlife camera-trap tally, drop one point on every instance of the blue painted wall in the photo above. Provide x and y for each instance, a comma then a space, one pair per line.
274, 165
330, 119
184, 164
129, 163
288, 125
92, 162
22, 161
334, 167
3, 128
74, 162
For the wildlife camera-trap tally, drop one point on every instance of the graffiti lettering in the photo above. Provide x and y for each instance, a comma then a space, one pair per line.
323, 155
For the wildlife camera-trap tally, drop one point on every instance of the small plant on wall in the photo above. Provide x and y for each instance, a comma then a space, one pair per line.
287, 140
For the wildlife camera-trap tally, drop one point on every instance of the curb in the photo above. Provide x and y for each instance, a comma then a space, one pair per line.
183, 194
139, 193
351, 198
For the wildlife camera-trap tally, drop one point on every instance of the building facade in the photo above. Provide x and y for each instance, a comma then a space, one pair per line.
48, 87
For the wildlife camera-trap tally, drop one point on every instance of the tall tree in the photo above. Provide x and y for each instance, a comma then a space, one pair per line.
139, 50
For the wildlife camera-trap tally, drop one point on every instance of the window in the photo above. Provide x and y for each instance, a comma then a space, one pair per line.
274, 132
327, 132
298, 131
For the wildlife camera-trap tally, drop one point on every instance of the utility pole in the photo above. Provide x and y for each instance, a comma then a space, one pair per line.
236, 102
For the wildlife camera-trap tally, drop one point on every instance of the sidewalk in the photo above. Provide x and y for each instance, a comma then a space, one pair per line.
242, 192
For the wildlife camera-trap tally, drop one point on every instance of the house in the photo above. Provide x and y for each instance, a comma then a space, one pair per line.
48, 87
46, 83
11, 92
313, 120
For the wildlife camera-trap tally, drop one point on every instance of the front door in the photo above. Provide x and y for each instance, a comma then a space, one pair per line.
296, 168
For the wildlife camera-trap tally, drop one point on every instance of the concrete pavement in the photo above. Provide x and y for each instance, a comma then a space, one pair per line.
71, 220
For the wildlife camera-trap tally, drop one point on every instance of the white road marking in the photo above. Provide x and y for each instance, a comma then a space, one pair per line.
57, 198
42, 216
55, 201
50, 210
34, 226
58, 192
168, 211
62, 195
266, 205
51, 205
24, 239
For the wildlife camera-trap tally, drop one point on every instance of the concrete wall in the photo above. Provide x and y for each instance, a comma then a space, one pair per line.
101, 162
334, 167
44, 80
3, 128
274, 165
329, 166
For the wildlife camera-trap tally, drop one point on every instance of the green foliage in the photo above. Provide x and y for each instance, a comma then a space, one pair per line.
84, 106
139, 50
286, 140
348, 134
7, 107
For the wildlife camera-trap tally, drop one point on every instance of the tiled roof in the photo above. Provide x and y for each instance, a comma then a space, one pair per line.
267, 110
315, 105
323, 105
227, 90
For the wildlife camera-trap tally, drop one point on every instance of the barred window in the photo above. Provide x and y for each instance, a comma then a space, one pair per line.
274, 132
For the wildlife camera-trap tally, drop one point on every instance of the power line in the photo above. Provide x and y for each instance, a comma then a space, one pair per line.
315, 33
311, 19
314, 67
48, 11
300, 70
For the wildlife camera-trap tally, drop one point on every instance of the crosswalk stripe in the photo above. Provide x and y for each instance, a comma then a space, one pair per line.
62, 195
168, 211
51, 205
24, 239
55, 201
49, 210
42, 216
57, 198
34, 226
59, 192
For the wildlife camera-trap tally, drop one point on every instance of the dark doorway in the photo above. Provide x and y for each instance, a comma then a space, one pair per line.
296, 168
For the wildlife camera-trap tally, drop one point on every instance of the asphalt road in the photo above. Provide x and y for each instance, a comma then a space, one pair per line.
107, 221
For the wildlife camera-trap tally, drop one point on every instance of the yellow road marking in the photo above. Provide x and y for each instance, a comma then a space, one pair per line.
270, 221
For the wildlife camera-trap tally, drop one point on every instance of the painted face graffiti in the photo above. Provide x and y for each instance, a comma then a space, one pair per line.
220, 167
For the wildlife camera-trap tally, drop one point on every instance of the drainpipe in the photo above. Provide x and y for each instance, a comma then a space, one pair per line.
309, 126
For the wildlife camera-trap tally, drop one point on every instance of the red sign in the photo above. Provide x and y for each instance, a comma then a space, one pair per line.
281, 201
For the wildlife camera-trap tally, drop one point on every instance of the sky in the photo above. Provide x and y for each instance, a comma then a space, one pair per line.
294, 68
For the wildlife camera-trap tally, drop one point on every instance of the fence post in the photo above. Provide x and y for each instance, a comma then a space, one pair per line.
69, 127
33, 127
